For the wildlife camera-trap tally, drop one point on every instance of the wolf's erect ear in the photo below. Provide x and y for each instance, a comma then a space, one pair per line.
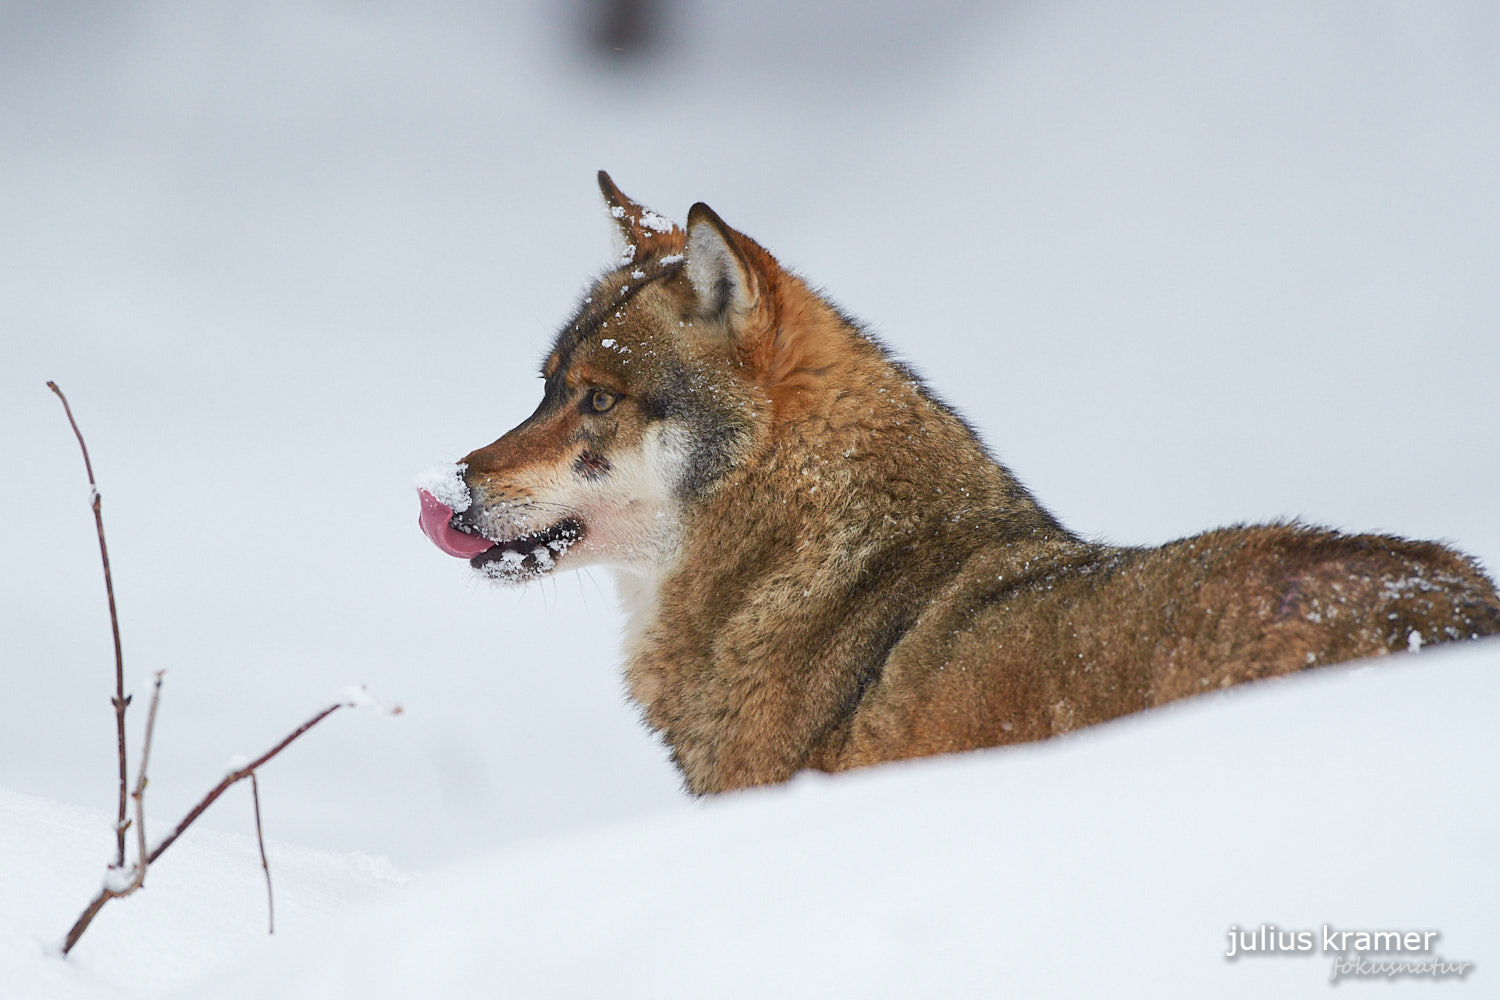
721, 266
737, 282
640, 233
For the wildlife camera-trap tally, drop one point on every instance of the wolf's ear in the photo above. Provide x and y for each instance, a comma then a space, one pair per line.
737, 282
639, 232
722, 266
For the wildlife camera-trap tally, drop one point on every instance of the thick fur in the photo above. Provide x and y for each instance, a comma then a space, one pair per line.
824, 568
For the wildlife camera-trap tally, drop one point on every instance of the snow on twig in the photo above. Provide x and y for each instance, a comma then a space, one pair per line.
117, 882
358, 696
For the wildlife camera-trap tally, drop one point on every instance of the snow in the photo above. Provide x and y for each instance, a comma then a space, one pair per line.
203, 901
358, 696
1344, 799
446, 484
653, 221
1165, 257
512, 566
119, 879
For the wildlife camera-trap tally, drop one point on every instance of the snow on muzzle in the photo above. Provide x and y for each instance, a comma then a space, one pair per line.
513, 560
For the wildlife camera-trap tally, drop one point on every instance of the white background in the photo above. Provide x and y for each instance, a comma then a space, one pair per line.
1182, 265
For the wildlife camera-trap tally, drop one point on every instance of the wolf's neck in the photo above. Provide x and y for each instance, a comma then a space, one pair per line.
872, 444
638, 591
754, 639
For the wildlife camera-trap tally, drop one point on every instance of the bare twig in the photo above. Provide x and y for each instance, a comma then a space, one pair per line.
117, 883
139, 794
266, 865
120, 701
110, 890
240, 774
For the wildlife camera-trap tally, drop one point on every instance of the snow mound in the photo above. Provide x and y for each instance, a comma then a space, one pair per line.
204, 901
1113, 862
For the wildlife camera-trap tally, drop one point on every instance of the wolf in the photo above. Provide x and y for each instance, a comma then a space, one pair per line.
821, 565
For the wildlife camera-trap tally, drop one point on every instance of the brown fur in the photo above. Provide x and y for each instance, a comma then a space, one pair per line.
857, 580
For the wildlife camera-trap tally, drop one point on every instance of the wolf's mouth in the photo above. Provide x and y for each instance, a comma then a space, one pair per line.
530, 555
512, 560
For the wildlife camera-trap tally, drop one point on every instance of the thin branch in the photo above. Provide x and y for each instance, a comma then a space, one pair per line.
266, 865
120, 701
117, 883
139, 795
107, 893
138, 876
235, 776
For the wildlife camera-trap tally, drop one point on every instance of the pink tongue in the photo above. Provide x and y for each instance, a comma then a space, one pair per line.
434, 521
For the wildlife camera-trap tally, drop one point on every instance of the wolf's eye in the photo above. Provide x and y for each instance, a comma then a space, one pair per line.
600, 400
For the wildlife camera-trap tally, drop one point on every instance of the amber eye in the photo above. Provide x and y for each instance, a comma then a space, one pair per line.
600, 400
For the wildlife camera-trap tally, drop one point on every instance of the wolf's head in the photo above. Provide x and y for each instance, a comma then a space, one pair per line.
664, 381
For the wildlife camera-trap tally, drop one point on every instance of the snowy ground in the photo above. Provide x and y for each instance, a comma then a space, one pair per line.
202, 904
1183, 265
1111, 863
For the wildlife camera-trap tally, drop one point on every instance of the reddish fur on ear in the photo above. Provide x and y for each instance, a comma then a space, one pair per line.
648, 233
783, 333
802, 348
790, 340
